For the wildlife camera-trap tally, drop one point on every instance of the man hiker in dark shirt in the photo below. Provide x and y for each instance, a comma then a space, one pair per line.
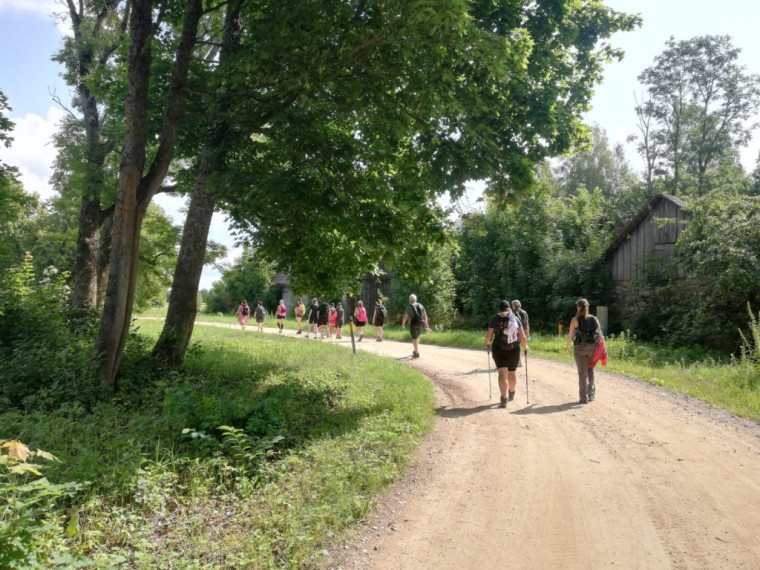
418, 318
523, 316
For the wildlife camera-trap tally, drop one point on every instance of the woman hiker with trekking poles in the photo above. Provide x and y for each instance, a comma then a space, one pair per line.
507, 335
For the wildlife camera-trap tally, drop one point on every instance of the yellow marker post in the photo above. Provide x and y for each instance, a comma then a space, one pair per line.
351, 328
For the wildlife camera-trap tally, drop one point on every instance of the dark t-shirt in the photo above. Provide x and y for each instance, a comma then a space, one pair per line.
379, 317
496, 322
523, 317
411, 312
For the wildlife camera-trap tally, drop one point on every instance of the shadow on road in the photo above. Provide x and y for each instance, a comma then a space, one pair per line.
446, 412
533, 409
475, 371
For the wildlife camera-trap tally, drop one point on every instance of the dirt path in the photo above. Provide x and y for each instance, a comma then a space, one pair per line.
640, 478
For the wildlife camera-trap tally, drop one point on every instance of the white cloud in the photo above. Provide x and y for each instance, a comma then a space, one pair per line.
32, 150
44, 7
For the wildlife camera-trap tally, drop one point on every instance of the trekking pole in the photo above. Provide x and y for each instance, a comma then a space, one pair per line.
488, 364
527, 394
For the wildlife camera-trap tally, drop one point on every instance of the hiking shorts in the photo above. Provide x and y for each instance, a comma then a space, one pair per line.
506, 358
322, 320
415, 331
313, 318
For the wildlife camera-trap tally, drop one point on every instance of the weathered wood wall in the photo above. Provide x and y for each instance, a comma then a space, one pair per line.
652, 240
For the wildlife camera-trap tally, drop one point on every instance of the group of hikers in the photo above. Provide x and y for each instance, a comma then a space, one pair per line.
508, 331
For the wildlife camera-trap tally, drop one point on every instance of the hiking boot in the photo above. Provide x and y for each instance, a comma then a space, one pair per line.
583, 401
511, 395
503, 402
415, 355
379, 339
298, 332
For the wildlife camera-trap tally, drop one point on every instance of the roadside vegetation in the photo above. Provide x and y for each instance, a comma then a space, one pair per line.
252, 455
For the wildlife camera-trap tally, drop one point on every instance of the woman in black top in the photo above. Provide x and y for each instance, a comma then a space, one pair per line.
584, 333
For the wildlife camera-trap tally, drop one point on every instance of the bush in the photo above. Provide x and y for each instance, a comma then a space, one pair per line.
45, 347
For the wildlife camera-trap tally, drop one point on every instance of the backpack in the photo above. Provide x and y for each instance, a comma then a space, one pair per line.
501, 333
383, 311
261, 311
418, 317
586, 333
246, 311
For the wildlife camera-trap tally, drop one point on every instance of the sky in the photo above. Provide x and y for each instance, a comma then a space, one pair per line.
30, 34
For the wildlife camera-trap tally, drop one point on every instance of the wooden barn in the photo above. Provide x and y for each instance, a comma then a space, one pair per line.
646, 243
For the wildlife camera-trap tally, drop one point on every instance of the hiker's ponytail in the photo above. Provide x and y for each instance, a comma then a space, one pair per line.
582, 305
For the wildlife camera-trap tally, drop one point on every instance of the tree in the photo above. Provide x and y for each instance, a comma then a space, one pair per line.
718, 250
139, 180
97, 32
14, 203
697, 111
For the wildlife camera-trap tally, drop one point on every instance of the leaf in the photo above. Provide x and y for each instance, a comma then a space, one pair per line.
17, 450
22, 468
46, 455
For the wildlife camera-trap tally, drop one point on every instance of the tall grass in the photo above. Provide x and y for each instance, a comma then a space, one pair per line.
311, 434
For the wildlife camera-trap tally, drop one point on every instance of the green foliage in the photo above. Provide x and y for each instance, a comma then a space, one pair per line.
30, 527
697, 112
436, 290
250, 278
310, 434
45, 348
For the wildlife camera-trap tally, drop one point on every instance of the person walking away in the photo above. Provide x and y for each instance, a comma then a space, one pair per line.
243, 312
504, 337
585, 333
360, 316
378, 319
523, 316
332, 319
261, 315
280, 314
339, 317
418, 318
313, 318
299, 311
322, 317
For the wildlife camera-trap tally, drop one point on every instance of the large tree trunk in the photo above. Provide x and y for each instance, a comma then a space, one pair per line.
135, 191
85, 277
183, 299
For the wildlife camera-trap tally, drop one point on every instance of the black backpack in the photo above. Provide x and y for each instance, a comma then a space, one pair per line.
261, 311
418, 315
586, 333
501, 333
383, 311
246, 311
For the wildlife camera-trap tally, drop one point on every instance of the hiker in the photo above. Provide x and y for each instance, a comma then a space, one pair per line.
360, 316
339, 316
323, 315
418, 318
332, 319
585, 334
261, 314
313, 318
523, 316
506, 332
378, 319
300, 311
243, 313
282, 310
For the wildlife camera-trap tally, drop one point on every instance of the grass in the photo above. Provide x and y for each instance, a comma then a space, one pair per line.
312, 434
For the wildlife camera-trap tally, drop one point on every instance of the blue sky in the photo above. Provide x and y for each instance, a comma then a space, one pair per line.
30, 34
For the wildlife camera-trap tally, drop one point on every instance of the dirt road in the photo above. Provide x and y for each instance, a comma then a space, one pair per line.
640, 478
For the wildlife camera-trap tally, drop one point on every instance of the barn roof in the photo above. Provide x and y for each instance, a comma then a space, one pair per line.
623, 234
